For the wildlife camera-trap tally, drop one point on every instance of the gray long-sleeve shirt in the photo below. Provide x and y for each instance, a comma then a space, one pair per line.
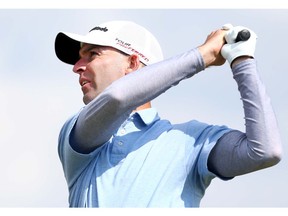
234, 154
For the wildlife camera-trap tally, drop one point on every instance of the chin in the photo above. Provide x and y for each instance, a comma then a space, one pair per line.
88, 98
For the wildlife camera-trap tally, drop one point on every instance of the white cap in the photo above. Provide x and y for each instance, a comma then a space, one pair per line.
126, 36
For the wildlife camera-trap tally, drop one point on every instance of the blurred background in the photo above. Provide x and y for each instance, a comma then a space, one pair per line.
38, 93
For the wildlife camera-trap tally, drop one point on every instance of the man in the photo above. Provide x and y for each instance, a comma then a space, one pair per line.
117, 152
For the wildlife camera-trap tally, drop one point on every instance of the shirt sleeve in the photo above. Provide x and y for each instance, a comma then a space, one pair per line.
73, 163
238, 153
101, 117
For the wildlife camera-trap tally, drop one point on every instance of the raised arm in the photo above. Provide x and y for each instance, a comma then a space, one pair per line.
102, 116
259, 147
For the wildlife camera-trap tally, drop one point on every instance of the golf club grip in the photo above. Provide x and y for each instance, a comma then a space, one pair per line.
243, 35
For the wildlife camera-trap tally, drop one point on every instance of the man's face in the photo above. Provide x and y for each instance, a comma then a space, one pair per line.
98, 67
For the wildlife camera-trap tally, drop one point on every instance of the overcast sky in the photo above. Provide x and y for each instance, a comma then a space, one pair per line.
38, 93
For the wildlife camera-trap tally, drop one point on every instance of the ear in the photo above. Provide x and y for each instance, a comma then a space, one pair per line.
133, 63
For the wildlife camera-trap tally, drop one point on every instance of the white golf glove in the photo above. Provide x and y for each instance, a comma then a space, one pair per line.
232, 49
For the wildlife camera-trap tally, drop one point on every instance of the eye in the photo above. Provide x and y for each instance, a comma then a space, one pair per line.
93, 53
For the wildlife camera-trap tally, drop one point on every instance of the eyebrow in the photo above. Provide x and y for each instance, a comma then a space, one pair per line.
88, 48
98, 48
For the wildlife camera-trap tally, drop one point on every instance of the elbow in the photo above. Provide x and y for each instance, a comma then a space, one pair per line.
273, 157
272, 160
267, 157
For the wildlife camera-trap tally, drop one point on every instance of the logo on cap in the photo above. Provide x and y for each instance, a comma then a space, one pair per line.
99, 28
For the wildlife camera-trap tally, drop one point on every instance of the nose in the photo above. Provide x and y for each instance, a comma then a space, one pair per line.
79, 66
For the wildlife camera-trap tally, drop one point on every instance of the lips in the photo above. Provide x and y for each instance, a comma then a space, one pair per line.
83, 82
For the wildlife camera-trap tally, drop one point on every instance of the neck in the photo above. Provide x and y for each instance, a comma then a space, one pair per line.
144, 106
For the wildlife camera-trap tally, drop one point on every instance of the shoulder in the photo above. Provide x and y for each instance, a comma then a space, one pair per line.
68, 127
199, 129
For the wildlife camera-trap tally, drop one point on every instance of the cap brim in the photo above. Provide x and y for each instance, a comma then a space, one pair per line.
67, 48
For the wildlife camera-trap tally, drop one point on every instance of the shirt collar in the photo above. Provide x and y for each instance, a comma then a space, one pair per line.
148, 116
